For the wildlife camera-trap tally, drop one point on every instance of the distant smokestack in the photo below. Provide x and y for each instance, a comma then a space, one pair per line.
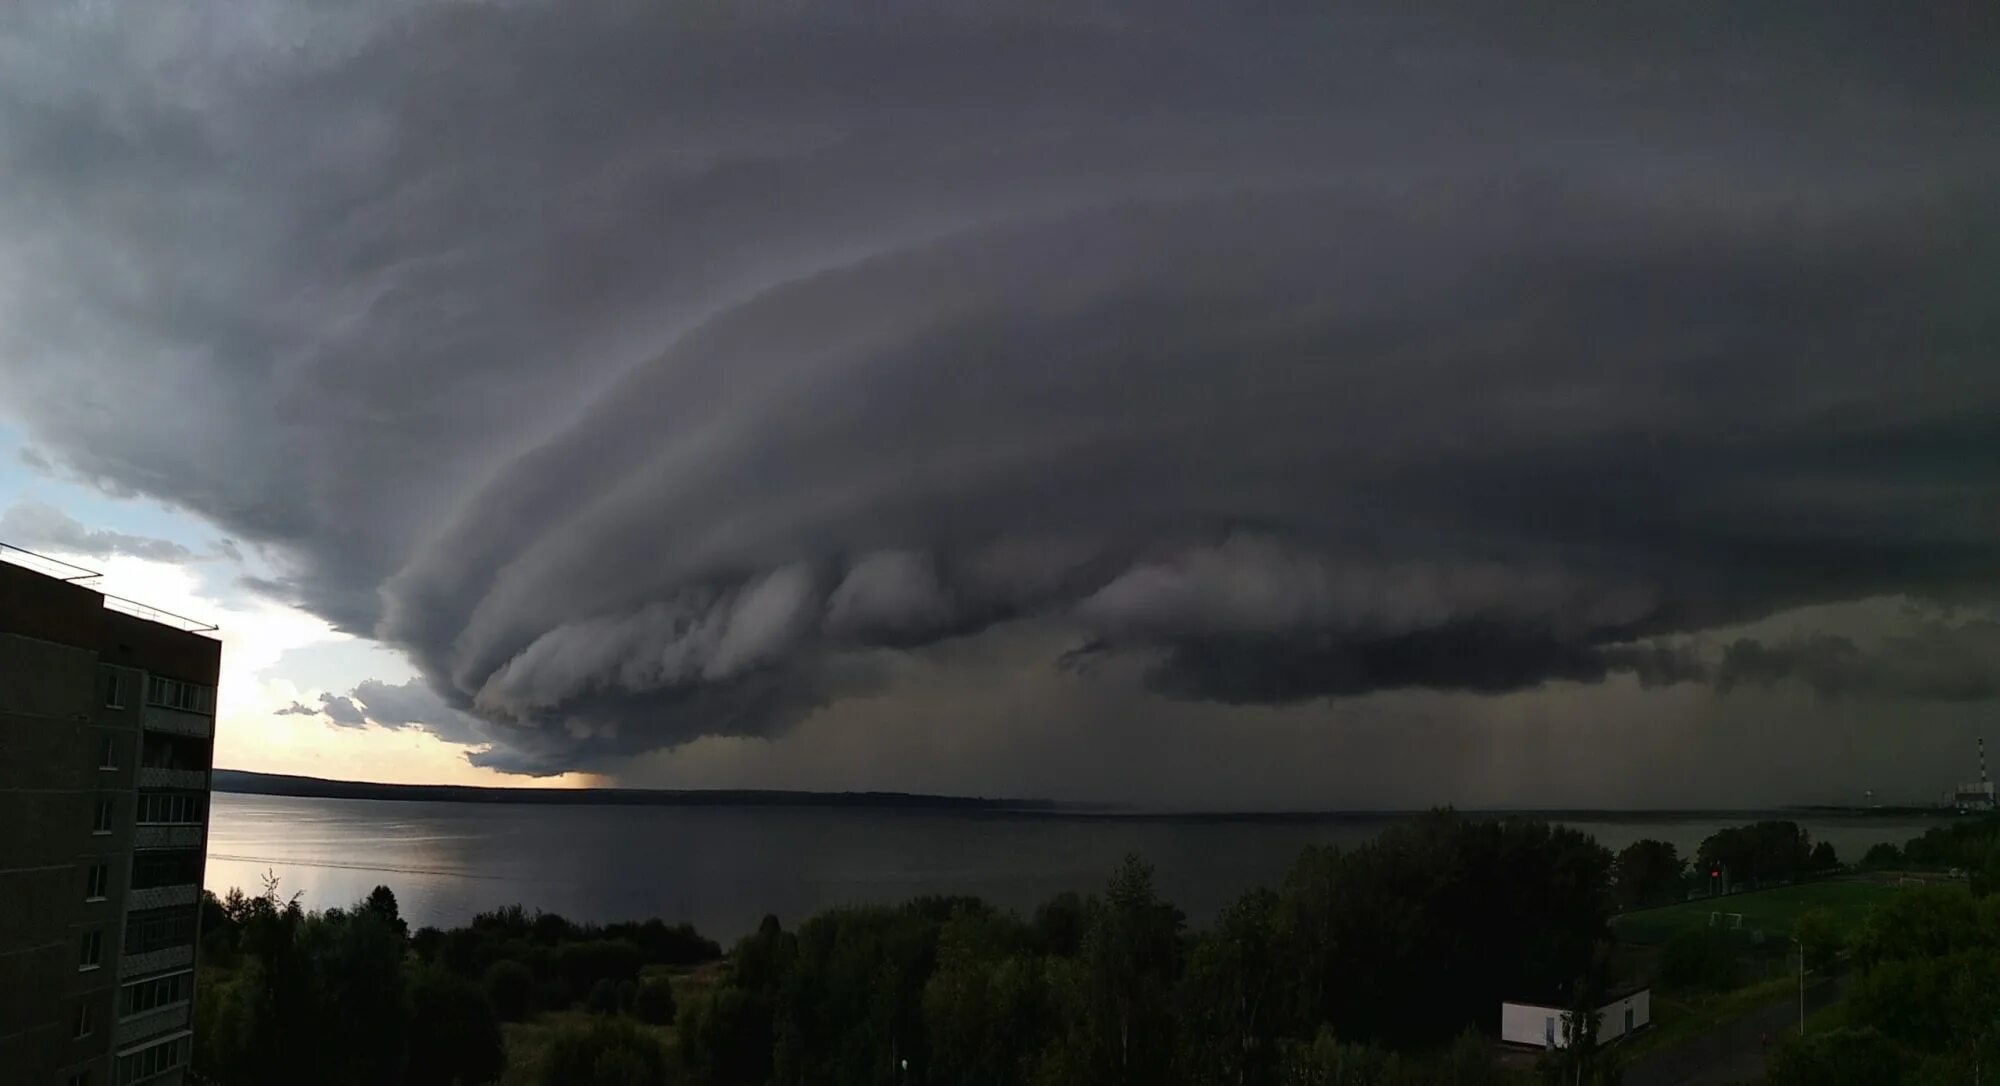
1982, 759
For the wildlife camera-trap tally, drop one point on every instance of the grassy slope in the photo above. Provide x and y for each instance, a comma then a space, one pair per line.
1773, 911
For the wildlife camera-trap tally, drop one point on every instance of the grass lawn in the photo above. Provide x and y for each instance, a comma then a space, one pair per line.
1774, 911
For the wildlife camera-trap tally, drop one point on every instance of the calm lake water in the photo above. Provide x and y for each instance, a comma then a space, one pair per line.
723, 868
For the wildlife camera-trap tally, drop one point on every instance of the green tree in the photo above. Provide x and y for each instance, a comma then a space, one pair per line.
1648, 872
454, 1035
1824, 858
320, 994
726, 1036
1928, 965
1818, 934
985, 1004
1581, 1061
1882, 856
1985, 874
1758, 853
1059, 925
508, 986
1130, 958
604, 1052
381, 904
1428, 927
1230, 995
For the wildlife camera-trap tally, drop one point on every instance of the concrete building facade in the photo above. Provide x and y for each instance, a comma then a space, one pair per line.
106, 736
1539, 1024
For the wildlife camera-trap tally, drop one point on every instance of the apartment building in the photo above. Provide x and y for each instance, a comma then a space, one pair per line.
106, 731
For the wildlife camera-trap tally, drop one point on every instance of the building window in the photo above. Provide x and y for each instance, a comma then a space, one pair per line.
171, 808
157, 1060
96, 882
154, 869
175, 694
107, 753
158, 929
78, 1078
114, 691
82, 1020
172, 752
141, 996
91, 954
101, 821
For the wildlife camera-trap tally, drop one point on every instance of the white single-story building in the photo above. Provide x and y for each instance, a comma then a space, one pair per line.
1541, 1025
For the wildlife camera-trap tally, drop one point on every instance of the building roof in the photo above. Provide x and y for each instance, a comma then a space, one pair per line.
1613, 994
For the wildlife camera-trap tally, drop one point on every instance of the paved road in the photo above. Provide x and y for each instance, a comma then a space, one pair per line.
1733, 1054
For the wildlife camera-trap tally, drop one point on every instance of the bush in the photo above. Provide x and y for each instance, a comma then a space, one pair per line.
603, 997
508, 984
608, 1052
654, 1002
454, 1036
581, 965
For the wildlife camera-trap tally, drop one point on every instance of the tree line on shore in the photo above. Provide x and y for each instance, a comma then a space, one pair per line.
350, 995
1382, 965
1649, 872
1379, 964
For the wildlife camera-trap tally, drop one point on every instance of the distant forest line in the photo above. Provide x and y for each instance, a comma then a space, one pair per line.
246, 782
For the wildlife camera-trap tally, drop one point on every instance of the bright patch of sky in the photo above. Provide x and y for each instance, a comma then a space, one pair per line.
22, 481
273, 655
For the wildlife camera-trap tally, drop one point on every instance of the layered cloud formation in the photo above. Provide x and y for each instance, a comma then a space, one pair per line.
653, 372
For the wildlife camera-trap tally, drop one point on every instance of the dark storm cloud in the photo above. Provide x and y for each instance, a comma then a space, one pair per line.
338, 710
341, 711
41, 526
1939, 663
413, 704
647, 371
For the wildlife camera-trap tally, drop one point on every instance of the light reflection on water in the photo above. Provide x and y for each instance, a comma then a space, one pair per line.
725, 867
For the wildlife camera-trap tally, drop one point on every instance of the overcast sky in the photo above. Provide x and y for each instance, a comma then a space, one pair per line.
1199, 405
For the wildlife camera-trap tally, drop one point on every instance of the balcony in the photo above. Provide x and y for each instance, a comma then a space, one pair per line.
159, 897
155, 777
153, 961
145, 836
159, 718
156, 1021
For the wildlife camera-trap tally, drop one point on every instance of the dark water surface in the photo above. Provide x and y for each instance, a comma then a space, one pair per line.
725, 867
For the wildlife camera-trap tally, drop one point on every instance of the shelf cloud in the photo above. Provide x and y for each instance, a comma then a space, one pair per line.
656, 372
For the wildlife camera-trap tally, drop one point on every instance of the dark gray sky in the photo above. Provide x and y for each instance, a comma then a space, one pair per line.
1293, 404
